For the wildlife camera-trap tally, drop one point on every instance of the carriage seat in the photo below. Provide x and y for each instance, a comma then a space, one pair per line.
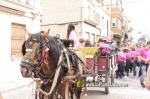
88, 51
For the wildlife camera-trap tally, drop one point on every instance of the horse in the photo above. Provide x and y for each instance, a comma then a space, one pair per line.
54, 62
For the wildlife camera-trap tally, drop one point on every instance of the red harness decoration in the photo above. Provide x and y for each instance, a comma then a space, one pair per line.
43, 56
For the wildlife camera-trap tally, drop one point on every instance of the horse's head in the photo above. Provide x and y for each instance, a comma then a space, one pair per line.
33, 46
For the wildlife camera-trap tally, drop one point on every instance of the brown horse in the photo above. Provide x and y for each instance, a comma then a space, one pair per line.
50, 56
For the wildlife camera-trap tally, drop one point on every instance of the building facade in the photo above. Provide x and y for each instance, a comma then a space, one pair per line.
127, 31
116, 21
91, 17
16, 15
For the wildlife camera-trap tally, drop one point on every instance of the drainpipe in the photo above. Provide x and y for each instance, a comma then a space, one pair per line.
81, 22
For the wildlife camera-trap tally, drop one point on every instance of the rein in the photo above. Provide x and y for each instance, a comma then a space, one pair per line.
56, 72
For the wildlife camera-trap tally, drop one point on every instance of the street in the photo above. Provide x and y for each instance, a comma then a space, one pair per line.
44, 35
133, 91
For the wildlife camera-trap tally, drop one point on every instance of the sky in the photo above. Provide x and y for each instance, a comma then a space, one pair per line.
139, 12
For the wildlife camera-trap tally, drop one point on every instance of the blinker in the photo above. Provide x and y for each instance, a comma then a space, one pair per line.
29, 50
47, 49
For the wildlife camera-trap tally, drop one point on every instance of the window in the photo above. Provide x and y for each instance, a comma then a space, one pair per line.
113, 3
25, 2
93, 39
119, 4
107, 27
97, 38
87, 35
29, 2
119, 24
102, 22
17, 39
113, 22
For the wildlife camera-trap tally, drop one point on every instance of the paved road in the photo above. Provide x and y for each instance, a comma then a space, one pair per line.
23, 93
133, 91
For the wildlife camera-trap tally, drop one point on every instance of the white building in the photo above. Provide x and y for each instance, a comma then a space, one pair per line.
15, 16
91, 17
101, 19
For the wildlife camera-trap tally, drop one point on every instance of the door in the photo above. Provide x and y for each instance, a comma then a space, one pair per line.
17, 39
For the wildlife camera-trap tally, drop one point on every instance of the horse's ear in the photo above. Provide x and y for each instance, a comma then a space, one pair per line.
48, 30
45, 33
28, 33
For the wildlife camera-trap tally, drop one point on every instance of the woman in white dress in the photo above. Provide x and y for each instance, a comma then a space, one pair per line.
72, 35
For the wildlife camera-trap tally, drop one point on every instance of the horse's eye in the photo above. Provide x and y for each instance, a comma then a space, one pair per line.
42, 31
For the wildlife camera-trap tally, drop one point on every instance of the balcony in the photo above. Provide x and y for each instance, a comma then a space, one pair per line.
91, 17
20, 5
24, 2
117, 33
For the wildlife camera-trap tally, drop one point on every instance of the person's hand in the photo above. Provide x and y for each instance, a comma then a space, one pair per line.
147, 60
124, 64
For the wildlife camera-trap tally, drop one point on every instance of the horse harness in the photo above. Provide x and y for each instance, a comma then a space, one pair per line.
65, 59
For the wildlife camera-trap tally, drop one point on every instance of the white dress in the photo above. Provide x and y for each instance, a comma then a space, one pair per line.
73, 36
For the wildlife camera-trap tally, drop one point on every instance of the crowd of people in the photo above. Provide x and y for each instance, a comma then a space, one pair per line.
131, 58
128, 58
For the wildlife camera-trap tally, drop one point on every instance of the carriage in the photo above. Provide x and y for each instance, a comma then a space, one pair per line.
58, 71
103, 66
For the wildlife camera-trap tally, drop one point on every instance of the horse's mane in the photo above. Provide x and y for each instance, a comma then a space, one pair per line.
54, 48
23, 50
36, 36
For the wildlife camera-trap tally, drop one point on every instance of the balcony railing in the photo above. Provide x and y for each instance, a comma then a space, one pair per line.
20, 5
24, 2
91, 16
117, 32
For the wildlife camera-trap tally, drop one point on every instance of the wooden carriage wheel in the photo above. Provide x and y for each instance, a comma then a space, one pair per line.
112, 76
106, 81
36, 93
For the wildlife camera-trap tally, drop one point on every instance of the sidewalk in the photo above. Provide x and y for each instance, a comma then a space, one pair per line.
11, 78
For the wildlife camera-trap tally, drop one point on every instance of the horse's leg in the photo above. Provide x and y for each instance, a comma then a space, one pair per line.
71, 94
54, 96
46, 97
78, 92
67, 90
41, 96
62, 91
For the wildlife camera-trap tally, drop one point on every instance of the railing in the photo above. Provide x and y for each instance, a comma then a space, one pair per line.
91, 16
19, 5
24, 2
